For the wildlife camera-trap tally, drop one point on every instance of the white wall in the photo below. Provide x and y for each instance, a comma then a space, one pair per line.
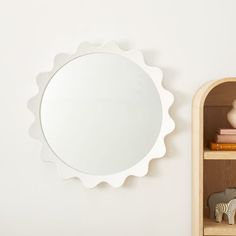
192, 41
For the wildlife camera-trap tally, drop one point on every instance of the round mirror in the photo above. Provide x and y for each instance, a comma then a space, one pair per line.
101, 113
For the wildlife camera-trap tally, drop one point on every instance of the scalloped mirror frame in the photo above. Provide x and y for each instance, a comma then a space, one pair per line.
140, 169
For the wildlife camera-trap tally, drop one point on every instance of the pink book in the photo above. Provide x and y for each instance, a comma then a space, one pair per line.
225, 138
227, 131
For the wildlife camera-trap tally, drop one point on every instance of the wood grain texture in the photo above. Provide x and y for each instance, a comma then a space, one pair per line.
214, 118
218, 97
213, 228
218, 175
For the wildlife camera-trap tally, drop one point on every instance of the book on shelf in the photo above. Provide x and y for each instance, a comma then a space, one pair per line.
223, 146
227, 131
225, 138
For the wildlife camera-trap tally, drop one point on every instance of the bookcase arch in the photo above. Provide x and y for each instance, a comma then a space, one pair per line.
205, 163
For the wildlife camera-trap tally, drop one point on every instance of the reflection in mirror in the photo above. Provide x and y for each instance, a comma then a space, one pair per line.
101, 113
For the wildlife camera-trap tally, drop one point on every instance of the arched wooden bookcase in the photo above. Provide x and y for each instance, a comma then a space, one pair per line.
212, 170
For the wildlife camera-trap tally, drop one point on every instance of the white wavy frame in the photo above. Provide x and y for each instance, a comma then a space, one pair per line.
139, 169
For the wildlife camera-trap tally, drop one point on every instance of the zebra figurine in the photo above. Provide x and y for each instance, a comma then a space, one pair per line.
226, 208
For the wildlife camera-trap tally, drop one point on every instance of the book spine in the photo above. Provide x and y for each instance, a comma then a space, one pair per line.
223, 146
227, 131
224, 138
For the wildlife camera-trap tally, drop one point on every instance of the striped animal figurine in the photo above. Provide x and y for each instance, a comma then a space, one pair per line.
225, 196
226, 208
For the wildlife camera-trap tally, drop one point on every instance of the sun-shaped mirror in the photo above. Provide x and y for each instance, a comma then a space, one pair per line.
101, 114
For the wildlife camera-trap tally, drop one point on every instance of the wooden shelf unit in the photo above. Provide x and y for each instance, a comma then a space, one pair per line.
212, 171
219, 155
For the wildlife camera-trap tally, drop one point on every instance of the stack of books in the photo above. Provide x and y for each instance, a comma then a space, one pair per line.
225, 140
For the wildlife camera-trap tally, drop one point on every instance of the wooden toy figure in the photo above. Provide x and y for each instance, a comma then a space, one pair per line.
215, 198
226, 208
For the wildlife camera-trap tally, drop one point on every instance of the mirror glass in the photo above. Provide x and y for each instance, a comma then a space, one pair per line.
101, 113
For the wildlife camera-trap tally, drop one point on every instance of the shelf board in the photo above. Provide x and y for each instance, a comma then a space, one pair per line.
219, 155
213, 228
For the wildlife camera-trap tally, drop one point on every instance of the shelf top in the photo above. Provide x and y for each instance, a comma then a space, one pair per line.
219, 155
213, 228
